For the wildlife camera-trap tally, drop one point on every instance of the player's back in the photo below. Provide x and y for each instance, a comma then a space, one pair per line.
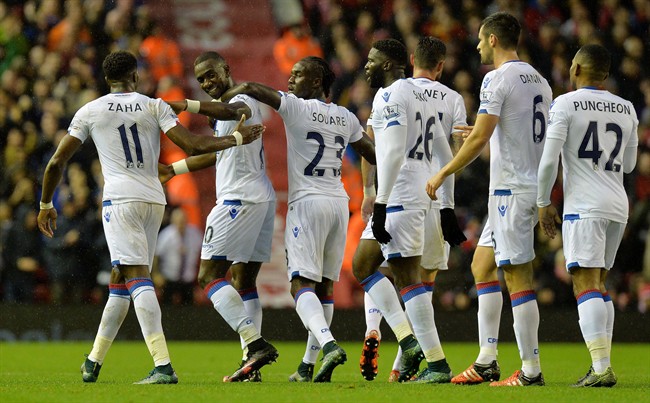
521, 97
600, 126
125, 128
241, 172
408, 103
317, 135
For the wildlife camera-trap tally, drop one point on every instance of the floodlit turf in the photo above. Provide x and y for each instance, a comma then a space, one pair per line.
49, 372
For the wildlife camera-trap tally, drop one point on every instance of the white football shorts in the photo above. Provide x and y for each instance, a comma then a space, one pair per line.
314, 238
590, 242
436, 251
512, 218
131, 231
406, 227
240, 232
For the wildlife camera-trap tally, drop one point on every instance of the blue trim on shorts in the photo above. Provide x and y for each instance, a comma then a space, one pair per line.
295, 274
371, 280
502, 192
115, 263
218, 257
394, 209
106, 203
232, 202
571, 217
393, 255
482, 111
572, 265
503, 262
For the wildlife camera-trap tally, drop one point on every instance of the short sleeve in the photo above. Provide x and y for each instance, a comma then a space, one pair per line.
460, 113
80, 125
493, 94
248, 101
355, 128
558, 120
290, 107
167, 119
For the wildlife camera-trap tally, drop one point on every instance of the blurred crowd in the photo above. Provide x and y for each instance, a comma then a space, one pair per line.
50, 65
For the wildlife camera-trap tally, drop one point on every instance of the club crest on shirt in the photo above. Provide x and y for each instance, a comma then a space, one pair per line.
391, 111
107, 216
486, 82
386, 96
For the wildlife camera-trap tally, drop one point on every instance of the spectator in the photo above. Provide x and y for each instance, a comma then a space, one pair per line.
294, 44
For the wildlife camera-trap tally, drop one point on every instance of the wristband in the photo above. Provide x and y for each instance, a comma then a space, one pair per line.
180, 167
193, 106
238, 137
46, 206
369, 191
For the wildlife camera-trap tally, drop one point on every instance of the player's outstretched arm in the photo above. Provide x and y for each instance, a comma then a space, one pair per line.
189, 164
53, 172
194, 144
258, 91
213, 109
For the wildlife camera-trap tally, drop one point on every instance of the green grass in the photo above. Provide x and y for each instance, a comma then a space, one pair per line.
49, 372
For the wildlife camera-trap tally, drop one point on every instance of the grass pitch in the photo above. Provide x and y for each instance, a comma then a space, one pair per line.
49, 372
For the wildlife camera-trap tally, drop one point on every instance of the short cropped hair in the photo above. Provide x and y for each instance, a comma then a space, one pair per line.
429, 52
504, 26
118, 65
597, 58
210, 55
394, 49
323, 68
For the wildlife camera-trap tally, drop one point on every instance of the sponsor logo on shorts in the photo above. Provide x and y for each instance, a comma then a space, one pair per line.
296, 231
107, 216
502, 210
233, 213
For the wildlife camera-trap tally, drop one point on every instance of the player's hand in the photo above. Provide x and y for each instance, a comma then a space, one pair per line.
433, 184
450, 229
165, 173
178, 106
367, 206
249, 133
548, 219
47, 221
464, 131
379, 224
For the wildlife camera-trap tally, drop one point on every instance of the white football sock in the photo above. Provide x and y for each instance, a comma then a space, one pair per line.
253, 309
490, 302
373, 315
383, 294
228, 303
114, 313
609, 305
593, 324
312, 315
526, 324
313, 348
147, 310
420, 313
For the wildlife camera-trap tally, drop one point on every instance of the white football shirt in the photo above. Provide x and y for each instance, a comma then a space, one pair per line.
596, 127
125, 128
241, 172
406, 104
521, 97
317, 135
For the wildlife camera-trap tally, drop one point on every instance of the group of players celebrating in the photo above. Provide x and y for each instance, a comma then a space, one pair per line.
408, 171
